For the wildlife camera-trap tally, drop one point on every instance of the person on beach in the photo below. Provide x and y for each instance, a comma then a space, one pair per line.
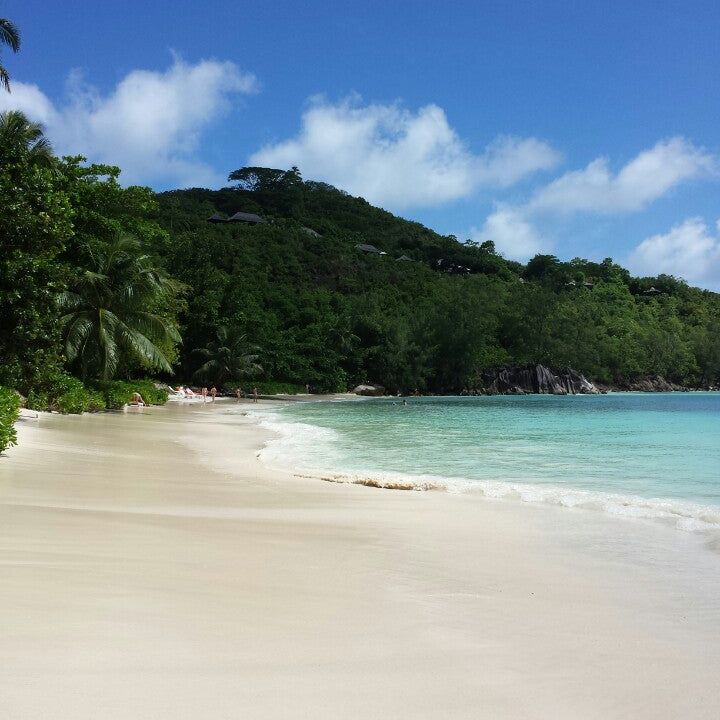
255, 394
204, 394
137, 399
213, 393
238, 394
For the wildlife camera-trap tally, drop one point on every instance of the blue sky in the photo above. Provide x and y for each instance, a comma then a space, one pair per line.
575, 128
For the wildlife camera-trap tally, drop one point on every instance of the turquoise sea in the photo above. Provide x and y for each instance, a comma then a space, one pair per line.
646, 455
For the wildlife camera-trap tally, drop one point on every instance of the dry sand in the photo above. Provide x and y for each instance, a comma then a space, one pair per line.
151, 568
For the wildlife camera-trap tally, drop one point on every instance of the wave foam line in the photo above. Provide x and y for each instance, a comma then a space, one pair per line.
686, 516
295, 442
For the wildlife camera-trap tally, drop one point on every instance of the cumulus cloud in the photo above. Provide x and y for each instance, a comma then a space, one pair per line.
150, 124
644, 179
514, 236
688, 250
398, 158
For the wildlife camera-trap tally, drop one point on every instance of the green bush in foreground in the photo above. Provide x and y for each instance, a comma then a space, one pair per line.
118, 392
64, 393
9, 407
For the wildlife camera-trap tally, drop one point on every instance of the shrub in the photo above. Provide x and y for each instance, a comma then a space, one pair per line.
151, 394
64, 393
118, 392
9, 408
79, 399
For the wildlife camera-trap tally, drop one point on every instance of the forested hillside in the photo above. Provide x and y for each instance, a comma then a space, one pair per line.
431, 313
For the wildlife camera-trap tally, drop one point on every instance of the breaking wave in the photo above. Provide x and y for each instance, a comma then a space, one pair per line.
303, 448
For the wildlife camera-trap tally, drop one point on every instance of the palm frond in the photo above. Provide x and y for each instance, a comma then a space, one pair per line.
76, 334
109, 327
68, 300
153, 326
144, 349
9, 34
208, 370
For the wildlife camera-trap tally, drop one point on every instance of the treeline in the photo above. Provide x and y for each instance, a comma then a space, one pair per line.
83, 298
324, 313
100, 284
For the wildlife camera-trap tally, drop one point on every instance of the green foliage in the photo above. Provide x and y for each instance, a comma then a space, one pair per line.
110, 313
79, 400
322, 313
59, 391
35, 225
10, 36
9, 409
117, 393
229, 355
64, 230
93, 277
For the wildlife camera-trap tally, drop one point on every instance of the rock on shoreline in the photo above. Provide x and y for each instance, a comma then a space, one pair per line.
536, 380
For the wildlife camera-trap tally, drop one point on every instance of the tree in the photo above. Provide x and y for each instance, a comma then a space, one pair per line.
21, 136
35, 227
112, 311
259, 179
227, 357
323, 313
10, 36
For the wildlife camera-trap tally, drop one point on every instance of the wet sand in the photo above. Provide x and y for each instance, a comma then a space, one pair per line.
152, 568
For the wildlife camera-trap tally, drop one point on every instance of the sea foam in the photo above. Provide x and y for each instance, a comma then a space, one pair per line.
314, 451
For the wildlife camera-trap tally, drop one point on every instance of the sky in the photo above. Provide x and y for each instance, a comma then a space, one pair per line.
586, 129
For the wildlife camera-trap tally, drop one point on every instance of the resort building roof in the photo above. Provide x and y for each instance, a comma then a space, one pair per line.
368, 249
246, 218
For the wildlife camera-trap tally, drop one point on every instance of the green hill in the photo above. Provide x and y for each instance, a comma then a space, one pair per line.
430, 313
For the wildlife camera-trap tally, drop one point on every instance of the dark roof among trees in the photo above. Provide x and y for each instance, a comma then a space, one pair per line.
367, 249
251, 218
217, 218
404, 258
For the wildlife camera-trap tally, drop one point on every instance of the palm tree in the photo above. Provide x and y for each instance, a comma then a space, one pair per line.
110, 314
18, 134
9, 35
228, 357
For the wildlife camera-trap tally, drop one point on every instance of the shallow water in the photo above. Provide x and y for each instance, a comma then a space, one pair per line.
645, 455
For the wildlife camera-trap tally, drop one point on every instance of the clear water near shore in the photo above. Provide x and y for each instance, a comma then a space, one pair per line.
643, 455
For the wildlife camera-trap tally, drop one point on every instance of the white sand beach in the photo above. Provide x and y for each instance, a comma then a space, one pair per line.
153, 569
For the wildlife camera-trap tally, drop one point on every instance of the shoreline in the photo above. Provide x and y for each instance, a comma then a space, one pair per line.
678, 513
153, 580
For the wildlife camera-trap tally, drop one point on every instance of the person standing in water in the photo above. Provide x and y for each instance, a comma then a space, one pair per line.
213, 393
203, 392
255, 395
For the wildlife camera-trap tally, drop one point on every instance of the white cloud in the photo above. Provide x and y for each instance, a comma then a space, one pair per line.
644, 179
149, 125
30, 100
688, 250
509, 159
397, 158
511, 232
